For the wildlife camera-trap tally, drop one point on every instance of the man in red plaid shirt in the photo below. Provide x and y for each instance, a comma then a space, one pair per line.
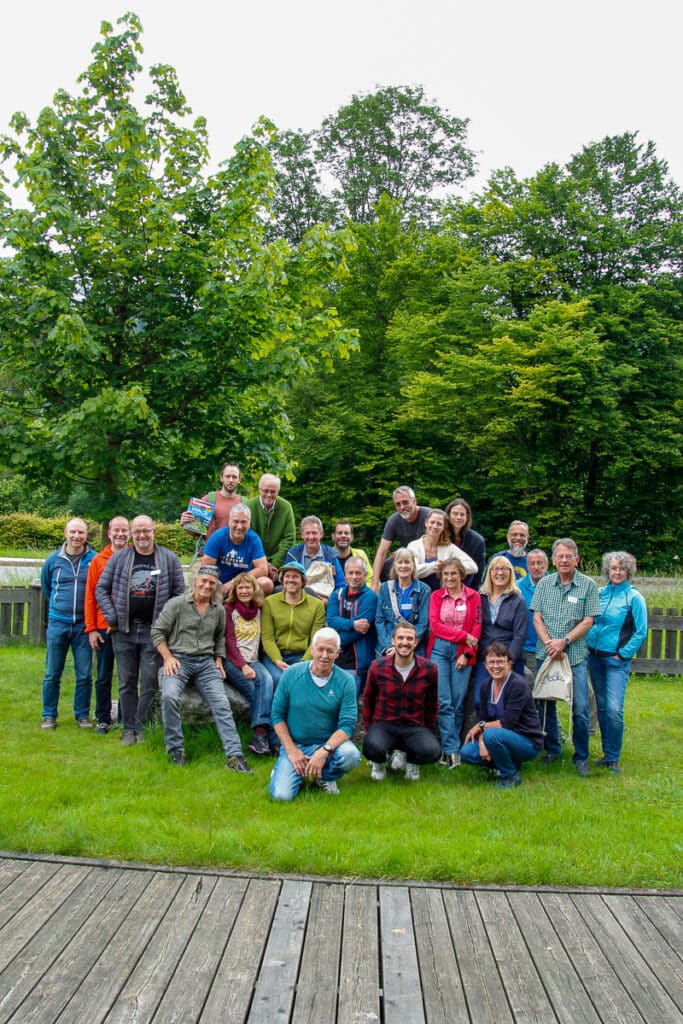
400, 707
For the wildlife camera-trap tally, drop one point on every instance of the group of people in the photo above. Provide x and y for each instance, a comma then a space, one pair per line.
437, 647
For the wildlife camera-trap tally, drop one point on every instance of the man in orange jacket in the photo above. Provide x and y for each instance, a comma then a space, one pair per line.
96, 625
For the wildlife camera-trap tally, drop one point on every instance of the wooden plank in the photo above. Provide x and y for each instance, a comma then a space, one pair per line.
563, 980
656, 635
651, 945
231, 993
359, 982
186, 993
36, 615
37, 956
648, 995
10, 869
18, 618
137, 1001
24, 887
671, 620
400, 973
5, 620
274, 993
316, 992
442, 991
27, 922
647, 666
484, 990
92, 999
69, 970
671, 638
662, 911
524, 988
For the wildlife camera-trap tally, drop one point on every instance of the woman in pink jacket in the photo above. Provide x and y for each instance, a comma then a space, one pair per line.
455, 625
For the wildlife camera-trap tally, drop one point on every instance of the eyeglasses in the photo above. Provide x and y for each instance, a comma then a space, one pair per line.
139, 533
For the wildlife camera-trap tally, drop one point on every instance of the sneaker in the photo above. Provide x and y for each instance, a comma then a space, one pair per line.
128, 738
259, 743
509, 781
139, 737
274, 749
603, 762
328, 787
613, 766
582, 768
237, 763
48, 723
550, 759
379, 772
412, 773
101, 728
453, 760
443, 760
177, 756
84, 723
398, 761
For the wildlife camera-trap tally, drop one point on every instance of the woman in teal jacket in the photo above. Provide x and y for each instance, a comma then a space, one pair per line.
612, 643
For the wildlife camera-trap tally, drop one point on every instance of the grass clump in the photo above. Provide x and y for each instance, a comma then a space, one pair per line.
74, 793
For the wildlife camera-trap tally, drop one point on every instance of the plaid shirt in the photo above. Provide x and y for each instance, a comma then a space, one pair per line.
563, 609
387, 698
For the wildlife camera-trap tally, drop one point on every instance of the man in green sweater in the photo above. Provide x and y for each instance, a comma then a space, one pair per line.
288, 621
273, 519
314, 715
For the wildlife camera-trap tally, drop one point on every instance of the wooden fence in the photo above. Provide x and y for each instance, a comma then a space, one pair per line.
23, 616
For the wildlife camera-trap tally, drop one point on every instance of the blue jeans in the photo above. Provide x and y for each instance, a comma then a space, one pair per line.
580, 716
609, 677
285, 783
202, 671
136, 657
259, 693
275, 672
60, 637
452, 690
105, 673
509, 750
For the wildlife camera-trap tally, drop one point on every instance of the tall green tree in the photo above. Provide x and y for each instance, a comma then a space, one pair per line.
299, 201
146, 329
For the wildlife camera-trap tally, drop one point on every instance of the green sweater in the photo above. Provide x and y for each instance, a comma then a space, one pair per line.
290, 627
277, 530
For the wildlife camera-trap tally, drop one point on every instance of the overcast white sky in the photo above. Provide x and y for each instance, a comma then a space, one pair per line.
537, 80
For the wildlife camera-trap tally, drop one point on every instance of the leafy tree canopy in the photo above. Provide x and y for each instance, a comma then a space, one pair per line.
146, 329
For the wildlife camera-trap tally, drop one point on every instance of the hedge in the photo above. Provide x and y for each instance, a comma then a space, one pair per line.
26, 530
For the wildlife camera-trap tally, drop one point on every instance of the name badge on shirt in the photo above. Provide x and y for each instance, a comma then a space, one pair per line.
460, 607
572, 600
155, 572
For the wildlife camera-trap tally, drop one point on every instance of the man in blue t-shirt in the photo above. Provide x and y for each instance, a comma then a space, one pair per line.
236, 549
518, 540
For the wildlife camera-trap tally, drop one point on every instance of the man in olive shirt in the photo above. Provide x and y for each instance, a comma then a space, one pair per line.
189, 634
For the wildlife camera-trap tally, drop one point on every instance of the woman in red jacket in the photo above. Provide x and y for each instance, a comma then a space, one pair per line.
455, 625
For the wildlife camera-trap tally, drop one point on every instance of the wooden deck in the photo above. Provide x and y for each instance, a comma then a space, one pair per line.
91, 942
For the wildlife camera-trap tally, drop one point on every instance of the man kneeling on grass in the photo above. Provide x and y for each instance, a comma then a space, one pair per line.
314, 715
400, 709
189, 634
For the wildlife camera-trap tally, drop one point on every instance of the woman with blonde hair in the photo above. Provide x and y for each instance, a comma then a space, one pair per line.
504, 617
402, 597
244, 599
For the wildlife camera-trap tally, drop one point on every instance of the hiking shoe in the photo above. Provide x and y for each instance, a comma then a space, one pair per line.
139, 737
237, 763
128, 738
101, 728
398, 761
582, 768
48, 723
452, 761
379, 772
177, 756
412, 772
259, 743
84, 723
550, 759
274, 749
509, 781
604, 762
328, 787
613, 766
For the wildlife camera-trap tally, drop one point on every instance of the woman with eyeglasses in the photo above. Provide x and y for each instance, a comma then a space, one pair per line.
503, 617
455, 624
508, 732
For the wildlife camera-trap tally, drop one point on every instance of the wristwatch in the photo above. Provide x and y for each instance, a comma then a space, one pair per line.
328, 748
566, 641
482, 725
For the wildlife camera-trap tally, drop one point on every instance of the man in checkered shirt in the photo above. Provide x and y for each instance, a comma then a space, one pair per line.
564, 606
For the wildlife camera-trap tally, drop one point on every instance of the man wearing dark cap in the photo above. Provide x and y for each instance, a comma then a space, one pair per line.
189, 634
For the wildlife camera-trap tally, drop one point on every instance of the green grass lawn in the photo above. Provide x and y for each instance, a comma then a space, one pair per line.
76, 793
